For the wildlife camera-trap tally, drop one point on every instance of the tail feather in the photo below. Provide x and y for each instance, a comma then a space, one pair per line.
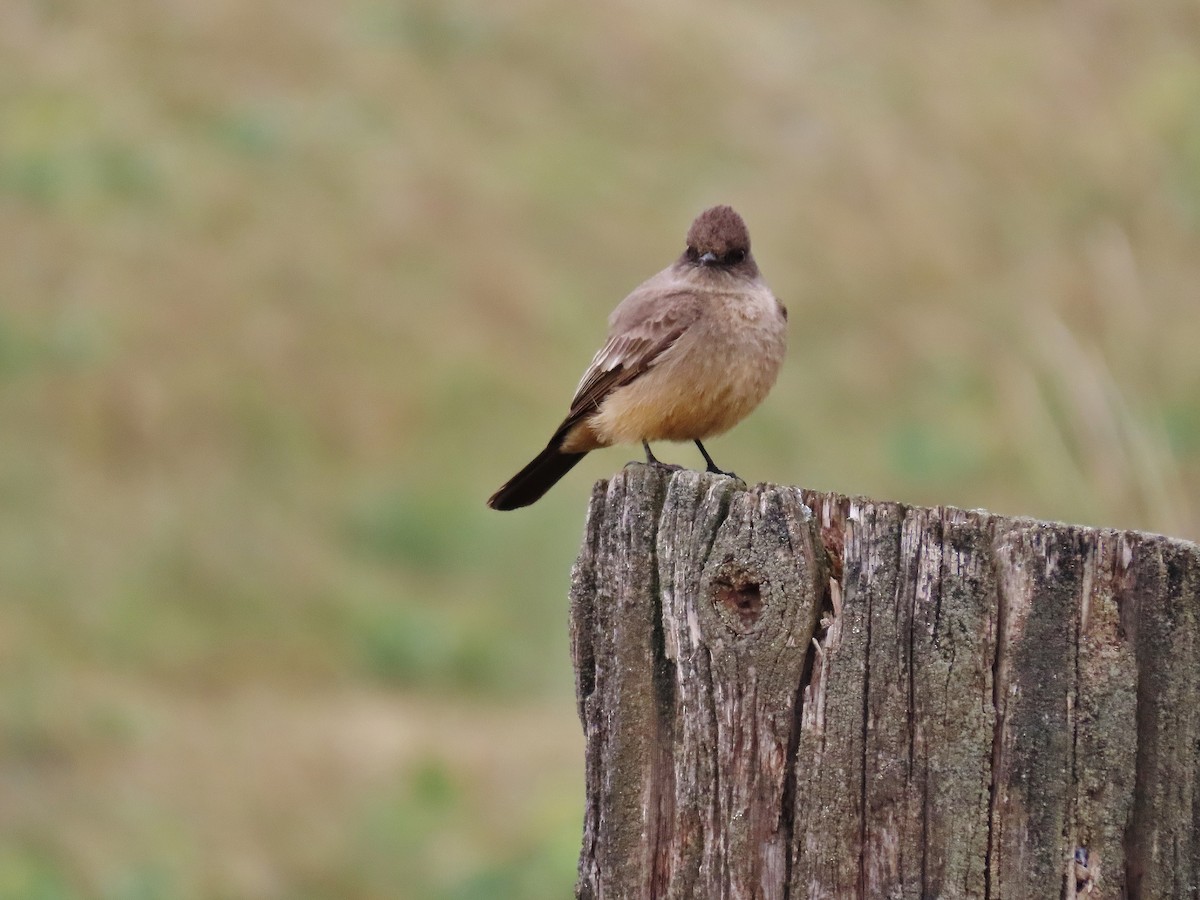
542, 473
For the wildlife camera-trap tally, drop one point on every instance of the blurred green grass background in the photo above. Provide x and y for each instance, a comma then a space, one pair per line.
289, 288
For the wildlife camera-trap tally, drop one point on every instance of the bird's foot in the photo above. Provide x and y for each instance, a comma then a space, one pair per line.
666, 467
652, 460
657, 464
712, 466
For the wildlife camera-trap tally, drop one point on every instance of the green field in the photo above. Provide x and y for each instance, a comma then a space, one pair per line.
288, 289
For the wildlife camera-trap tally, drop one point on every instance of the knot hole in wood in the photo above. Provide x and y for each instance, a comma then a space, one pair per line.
736, 592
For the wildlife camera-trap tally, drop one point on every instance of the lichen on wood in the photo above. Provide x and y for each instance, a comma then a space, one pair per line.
791, 694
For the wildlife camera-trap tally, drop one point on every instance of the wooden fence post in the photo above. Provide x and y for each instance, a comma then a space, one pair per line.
789, 694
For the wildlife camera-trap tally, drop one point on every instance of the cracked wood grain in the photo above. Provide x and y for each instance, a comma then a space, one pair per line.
791, 694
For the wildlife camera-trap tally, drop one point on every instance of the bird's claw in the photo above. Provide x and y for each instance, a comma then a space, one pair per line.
655, 463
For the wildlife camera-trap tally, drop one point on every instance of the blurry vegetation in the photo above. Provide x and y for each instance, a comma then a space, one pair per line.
289, 289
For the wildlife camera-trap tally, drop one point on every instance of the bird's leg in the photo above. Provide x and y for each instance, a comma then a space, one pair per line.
652, 460
712, 466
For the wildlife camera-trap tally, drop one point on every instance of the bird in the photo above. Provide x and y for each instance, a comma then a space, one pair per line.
689, 354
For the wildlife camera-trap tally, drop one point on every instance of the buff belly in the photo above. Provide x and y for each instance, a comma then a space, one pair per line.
702, 386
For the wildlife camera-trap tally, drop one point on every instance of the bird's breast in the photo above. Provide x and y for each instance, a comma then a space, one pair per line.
708, 381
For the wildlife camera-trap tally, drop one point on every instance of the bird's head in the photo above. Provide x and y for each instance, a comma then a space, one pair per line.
718, 239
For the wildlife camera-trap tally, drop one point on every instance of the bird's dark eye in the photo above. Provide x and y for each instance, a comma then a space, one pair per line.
692, 253
733, 257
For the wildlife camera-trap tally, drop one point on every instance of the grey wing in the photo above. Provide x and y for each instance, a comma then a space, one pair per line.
643, 328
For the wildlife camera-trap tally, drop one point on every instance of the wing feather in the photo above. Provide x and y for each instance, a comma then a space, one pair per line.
641, 330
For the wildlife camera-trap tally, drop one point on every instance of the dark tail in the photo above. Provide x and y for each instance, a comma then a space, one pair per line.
528, 485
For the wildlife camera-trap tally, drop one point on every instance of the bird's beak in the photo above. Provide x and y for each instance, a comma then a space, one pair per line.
708, 258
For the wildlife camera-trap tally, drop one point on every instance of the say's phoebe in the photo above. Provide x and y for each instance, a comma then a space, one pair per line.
689, 354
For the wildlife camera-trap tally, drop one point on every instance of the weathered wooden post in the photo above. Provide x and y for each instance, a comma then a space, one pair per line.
788, 694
